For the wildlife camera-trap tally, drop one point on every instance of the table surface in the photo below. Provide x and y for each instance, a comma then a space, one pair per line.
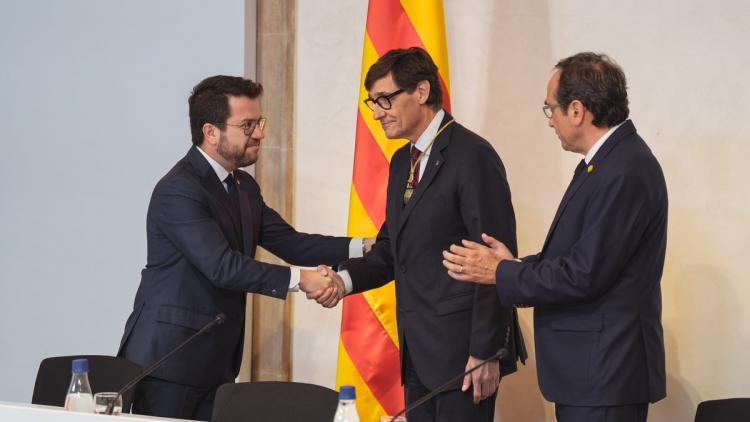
25, 412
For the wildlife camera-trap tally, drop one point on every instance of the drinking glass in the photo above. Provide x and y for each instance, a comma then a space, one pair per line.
102, 400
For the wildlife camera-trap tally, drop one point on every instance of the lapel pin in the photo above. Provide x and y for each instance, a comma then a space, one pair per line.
590, 168
437, 163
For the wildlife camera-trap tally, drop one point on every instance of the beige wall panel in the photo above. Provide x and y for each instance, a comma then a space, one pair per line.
267, 347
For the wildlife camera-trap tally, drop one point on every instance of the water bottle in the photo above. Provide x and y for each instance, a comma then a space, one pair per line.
347, 409
79, 398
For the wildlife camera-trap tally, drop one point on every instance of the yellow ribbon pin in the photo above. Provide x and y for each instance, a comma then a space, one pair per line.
590, 168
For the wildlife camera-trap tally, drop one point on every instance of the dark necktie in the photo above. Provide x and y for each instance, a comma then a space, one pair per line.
415, 158
231, 185
580, 167
234, 199
233, 192
411, 184
576, 174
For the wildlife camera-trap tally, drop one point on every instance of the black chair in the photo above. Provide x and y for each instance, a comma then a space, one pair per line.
273, 401
106, 373
726, 410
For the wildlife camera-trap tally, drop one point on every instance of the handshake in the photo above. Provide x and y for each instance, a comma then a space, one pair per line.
322, 285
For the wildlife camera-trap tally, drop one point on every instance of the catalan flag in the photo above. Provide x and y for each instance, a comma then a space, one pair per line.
368, 346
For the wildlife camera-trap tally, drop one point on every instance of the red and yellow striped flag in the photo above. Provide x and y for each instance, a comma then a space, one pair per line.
368, 346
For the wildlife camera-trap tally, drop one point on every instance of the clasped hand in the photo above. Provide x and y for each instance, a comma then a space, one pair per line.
322, 285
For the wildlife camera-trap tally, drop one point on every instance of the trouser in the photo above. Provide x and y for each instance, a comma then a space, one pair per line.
449, 406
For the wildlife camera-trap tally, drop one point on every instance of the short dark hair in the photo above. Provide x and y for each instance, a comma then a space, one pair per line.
209, 101
408, 67
596, 81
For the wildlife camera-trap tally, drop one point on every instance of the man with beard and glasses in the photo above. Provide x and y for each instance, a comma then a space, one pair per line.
205, 220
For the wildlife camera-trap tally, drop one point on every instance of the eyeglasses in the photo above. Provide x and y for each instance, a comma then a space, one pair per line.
383, 101
547, 109
248, 126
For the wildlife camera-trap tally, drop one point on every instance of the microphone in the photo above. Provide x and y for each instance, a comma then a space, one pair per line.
218, 319
503, 352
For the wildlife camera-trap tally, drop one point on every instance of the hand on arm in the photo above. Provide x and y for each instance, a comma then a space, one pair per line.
475, 262
485, 379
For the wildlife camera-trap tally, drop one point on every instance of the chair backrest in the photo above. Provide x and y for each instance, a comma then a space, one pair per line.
273, 401
726, 410
106, 373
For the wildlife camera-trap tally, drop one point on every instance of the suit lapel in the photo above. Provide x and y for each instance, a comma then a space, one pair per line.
575, 184
209, 179
623, 131
215, 187
434, 163
400, 177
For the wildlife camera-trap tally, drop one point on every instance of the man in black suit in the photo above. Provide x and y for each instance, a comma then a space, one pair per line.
447, 183
595, 286
205, 220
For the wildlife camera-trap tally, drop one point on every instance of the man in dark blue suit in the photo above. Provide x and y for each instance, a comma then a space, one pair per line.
447, 183
205, 219
595, 286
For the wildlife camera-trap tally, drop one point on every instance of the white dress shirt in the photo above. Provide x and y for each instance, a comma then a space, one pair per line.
424, 141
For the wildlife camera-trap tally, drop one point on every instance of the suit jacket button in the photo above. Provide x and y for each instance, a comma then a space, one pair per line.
273, 292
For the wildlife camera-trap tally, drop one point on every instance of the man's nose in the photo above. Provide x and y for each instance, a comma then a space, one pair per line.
377, 112
258, 133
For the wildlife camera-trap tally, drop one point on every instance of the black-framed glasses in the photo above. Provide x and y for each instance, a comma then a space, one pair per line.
547, 109
248, 126
383, 101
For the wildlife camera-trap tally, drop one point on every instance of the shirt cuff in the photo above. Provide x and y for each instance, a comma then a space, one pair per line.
344, 274
294, 276
356, 247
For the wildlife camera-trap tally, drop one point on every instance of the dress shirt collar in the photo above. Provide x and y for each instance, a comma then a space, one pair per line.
430, 132
220, 171
594, 148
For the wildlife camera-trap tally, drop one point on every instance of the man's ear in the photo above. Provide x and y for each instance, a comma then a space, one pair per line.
211, 134
577, 111
423, 91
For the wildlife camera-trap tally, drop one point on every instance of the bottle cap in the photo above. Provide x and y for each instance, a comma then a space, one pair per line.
346, 392
80, 366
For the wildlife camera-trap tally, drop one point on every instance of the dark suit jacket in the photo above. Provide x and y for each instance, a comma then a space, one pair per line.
596, 284
462, 193
197, 268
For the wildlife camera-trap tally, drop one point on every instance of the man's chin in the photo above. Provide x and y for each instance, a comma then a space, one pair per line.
392, 134
247, 161
565, 146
